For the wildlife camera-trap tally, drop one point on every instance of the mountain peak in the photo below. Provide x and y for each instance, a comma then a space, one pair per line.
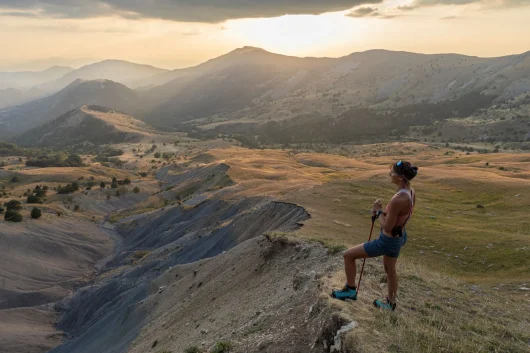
248, 49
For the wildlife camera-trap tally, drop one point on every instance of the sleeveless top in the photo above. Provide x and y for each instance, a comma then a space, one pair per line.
402, 220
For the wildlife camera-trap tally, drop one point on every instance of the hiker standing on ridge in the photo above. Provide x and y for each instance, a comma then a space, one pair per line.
392, 237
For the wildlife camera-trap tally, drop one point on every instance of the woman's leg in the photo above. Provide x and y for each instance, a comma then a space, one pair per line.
392, 279
350, 255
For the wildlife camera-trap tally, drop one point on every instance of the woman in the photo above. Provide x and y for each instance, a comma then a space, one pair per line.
392, 237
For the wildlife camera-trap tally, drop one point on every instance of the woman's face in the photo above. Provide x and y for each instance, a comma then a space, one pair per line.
395, 177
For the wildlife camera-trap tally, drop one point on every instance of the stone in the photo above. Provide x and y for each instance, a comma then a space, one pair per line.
161, 289
204, 332
337, 340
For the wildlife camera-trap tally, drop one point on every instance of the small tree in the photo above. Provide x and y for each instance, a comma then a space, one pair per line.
13, 216
136, 190
14, 205
102, 185
127, 181
36, 213
34, 199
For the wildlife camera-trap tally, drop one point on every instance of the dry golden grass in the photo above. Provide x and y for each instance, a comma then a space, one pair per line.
435, 313
338, 192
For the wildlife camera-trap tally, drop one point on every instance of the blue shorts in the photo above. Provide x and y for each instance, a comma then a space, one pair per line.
385, 245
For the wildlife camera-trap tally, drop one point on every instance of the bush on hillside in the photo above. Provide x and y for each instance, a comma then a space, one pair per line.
47, 161
34, 199
12, 216
68, 189
36, 213
222, 347
13, 205
136, 190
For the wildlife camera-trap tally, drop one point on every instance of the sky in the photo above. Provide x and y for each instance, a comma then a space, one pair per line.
35, 34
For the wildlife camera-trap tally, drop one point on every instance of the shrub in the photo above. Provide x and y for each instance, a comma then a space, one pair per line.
2, 210
36, 213
136, 190
13, 216
14, 179
102, 185
34, 199
192, 349
222, 347
127, 181
14, 205
157, 155
76, 208
68, 189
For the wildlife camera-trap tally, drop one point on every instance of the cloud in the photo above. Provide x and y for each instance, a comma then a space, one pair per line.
369, 12
486, 3
363, 12
212, 11
407, 7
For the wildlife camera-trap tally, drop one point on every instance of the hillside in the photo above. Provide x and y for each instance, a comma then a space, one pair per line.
251, 85
16, 120
92, 125
226, 244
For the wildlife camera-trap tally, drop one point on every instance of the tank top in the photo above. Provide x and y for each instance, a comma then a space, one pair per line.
402, 220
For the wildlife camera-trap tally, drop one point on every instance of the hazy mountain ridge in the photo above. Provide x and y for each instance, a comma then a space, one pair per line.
16, 120
124, 72
251, 84
28, 79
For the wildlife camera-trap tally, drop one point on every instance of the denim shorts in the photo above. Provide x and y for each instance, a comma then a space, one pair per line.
385, 245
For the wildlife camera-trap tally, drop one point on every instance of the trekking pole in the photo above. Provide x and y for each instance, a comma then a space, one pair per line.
369, 238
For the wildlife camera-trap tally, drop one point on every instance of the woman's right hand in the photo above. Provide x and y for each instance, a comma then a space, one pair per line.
378, 205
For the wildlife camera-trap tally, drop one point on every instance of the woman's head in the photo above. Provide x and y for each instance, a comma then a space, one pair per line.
402, 172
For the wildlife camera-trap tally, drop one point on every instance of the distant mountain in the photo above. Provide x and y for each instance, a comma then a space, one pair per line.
16, 120
253, 86
237, 80
10, 97
28, 79
124, 72
94, 125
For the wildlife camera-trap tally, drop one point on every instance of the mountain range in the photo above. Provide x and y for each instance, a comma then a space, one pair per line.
249, 88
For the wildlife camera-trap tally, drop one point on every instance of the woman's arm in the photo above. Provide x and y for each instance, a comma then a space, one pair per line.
388, 220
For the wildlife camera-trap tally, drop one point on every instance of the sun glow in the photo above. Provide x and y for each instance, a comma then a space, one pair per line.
297, 34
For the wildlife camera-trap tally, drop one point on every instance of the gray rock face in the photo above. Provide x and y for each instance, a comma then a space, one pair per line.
105, 317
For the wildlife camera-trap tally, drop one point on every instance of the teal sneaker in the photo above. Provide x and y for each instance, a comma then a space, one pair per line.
345, 293
384, 305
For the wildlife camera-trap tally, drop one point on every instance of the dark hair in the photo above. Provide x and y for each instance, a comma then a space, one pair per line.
405, 169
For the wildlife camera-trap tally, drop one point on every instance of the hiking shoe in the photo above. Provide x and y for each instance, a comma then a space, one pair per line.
384, 305
345, 293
